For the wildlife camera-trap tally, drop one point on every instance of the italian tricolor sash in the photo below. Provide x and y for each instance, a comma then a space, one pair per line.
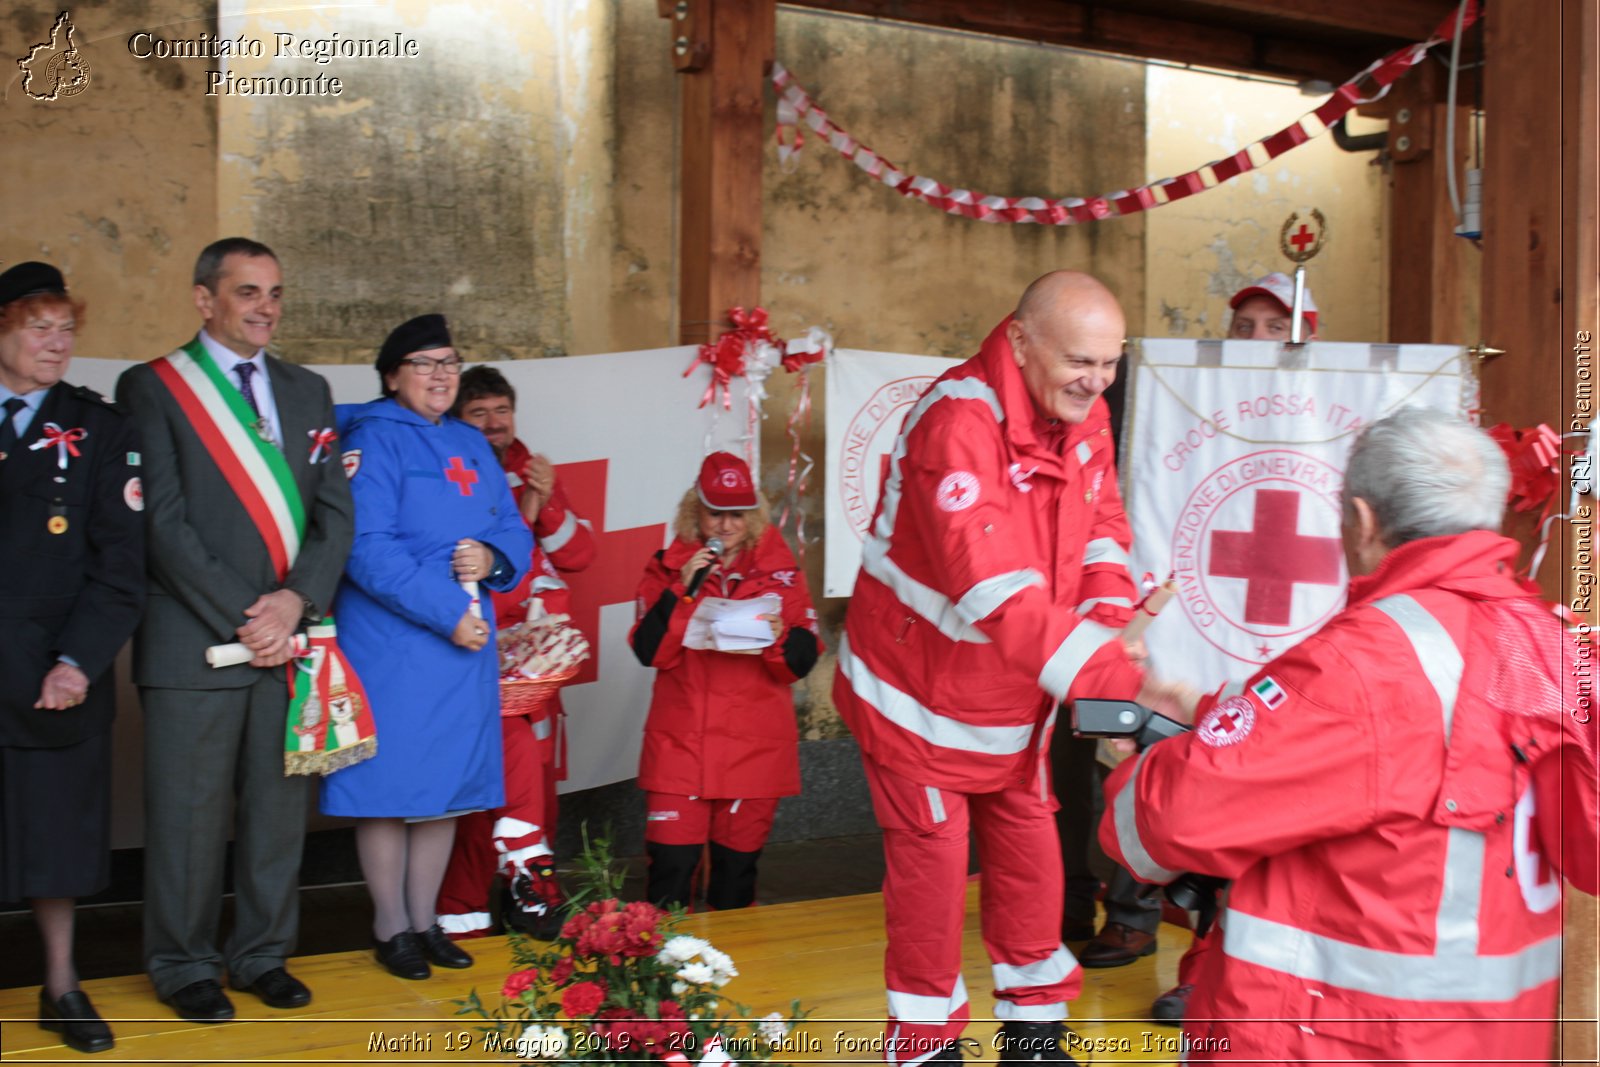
254, 469
329, 724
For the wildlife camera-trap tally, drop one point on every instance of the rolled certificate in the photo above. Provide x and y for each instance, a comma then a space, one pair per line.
238, 652
1147, 611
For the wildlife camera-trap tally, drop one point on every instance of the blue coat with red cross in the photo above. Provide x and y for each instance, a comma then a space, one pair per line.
419, 488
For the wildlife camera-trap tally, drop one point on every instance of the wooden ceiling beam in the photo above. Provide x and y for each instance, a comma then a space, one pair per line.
1402, 20
1123, 32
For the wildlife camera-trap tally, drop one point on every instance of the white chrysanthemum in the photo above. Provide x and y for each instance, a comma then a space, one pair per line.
696, 973
542, 1043
720, 962
773, 1028
682, 949
680, 988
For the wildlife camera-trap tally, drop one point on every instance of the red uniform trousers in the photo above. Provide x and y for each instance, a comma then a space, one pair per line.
503, 840
925, 831
742, 824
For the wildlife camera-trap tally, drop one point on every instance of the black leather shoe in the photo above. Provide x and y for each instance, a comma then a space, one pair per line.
441, 950
75, 1019
1117, 946
278, 988
402, 954
201, 1002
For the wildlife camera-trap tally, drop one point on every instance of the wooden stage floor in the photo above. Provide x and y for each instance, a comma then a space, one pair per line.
828, 953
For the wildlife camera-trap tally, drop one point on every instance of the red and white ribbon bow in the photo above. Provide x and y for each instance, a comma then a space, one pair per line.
64, 441
727, 355
321, 441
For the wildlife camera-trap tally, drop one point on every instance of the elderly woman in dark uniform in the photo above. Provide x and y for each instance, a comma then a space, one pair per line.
70, 596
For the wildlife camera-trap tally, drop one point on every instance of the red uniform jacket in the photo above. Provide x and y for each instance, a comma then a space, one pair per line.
562, 542
722, 724
993, 583
1395, 799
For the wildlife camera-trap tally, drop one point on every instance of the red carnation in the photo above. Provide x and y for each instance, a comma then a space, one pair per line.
583, 1000
518, 982
619, 1027
644, 911
561, 971
574, 927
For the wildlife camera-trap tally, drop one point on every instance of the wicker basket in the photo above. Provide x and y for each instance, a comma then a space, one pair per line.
531, 696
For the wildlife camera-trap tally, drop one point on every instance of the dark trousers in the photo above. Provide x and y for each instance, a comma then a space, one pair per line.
1079, 780
214, 760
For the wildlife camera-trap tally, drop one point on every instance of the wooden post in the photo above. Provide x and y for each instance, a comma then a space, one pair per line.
1432, 272
1523, 231
1540, 279
723, 51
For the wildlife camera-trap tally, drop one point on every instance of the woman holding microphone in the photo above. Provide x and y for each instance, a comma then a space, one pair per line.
720, 745
434, 520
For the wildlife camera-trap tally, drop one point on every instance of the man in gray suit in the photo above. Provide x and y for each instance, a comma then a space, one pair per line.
248, 521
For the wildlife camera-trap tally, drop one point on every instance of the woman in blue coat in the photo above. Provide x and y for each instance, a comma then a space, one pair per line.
433, 511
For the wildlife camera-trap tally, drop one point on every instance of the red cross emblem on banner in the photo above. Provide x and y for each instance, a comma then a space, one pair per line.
620, 555
1303, 238
463, 477
1272, 556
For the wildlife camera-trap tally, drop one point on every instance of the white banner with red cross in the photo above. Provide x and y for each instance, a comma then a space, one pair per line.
869, 394
1234, 455
626, 439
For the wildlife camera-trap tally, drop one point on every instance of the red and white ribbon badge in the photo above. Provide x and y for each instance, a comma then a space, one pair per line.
64, 441
321, 441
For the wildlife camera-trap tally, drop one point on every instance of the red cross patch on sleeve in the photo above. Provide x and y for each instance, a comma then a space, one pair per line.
958, 491
1228, 723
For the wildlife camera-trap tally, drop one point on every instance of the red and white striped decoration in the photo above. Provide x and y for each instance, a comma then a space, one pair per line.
795, 107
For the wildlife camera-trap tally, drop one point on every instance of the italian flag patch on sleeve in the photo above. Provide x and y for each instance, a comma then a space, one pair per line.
1270, 692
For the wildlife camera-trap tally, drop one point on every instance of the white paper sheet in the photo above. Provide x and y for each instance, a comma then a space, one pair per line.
732, 625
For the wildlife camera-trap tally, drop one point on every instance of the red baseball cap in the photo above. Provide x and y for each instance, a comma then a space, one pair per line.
725, 483
1280, 287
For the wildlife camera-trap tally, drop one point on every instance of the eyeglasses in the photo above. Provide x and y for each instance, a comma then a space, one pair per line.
425, 365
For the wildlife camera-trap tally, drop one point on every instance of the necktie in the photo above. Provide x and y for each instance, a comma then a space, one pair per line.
245, 370
8, 428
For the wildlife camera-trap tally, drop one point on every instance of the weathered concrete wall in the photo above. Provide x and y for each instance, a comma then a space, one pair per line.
1202, 250
472, 178
111, 184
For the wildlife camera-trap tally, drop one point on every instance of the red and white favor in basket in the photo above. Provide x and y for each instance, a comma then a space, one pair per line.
537, 658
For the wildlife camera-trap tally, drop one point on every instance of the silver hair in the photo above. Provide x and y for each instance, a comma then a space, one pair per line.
1427, 473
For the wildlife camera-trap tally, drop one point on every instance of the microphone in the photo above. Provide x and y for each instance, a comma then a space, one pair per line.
714, 544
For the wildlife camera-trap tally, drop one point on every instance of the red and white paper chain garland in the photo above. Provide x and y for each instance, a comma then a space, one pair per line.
795, 107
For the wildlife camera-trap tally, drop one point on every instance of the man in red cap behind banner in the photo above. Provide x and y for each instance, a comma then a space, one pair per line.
1264, 310
994, 583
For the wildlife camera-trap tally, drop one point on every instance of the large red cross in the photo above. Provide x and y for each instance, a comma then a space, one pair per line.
619, 558
1272, 556
1302, 238
461, 475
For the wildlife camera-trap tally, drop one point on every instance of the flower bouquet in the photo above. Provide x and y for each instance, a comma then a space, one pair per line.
618, 985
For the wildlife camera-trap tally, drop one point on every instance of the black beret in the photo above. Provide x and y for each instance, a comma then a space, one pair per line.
30, 279
414, 335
